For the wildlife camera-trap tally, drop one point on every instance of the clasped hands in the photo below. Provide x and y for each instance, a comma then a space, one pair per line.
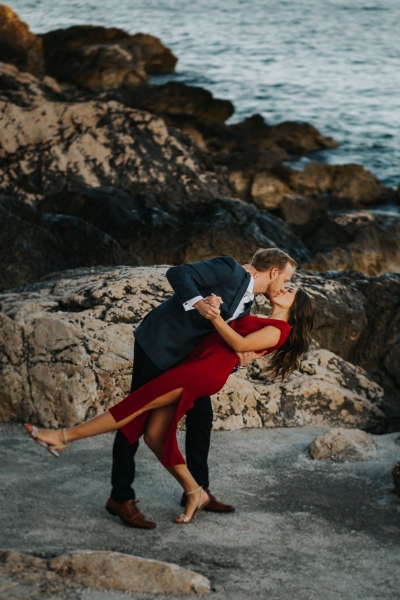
210, 309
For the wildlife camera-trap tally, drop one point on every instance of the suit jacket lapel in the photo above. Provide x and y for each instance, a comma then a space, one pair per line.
227, 311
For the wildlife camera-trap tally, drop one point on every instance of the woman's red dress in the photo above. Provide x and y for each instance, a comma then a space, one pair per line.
202, 373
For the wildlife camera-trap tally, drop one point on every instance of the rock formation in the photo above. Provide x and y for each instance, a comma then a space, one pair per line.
358, 319
86, 56
326, 390
341, 444
68, 356
50, 146
75, 47
361, 240
33, 244
107, 226
18, 45
104, 570
175, 101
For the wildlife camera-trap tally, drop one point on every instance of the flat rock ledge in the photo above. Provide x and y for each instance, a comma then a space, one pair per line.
105, 570
68, 349
340, 445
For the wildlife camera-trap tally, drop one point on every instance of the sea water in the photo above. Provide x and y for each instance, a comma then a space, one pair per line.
332, 63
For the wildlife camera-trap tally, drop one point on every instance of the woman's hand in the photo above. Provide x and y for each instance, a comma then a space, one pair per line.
247, 357
215, 302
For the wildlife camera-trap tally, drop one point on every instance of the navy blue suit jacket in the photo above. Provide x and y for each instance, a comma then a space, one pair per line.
168, 333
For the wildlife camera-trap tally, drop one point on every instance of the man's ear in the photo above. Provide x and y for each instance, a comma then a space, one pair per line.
274, 272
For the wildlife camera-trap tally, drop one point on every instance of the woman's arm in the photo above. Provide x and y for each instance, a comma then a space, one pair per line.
267, 337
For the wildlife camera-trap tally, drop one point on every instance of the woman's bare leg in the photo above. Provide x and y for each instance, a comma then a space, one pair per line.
103, 423
155, 434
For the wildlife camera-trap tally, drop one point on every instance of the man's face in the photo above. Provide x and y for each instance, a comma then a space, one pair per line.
278, 283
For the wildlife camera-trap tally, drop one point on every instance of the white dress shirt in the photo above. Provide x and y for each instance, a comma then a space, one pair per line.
248, 297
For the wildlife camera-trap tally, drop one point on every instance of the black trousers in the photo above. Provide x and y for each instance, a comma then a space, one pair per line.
198, 433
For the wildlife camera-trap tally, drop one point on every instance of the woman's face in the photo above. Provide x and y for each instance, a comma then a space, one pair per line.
285, 298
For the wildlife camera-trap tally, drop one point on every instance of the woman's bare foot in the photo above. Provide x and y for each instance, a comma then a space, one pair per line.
195, 500
54, 440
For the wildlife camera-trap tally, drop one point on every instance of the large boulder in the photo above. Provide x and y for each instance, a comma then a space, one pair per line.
153, 231
351, 181
100, 67
50, 146
156, 57
340, 240
347, 186
107, 226
326, 390
18, 45
101, 52
175, 101
295, 138
33, 244
255, 134
357, 317
378, 347
68, 356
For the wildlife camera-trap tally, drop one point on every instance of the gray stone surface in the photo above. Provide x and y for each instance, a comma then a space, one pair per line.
302, 528
343, 444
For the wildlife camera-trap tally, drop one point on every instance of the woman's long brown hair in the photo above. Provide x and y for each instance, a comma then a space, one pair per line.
301, 318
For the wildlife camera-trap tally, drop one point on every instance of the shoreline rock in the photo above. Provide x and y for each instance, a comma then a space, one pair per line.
107, 226
90, 144
105, 570
95, 57
18, 45
69, 348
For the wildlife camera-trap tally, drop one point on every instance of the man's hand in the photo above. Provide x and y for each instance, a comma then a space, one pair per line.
209, 307
206, 309
247, 357
214, 300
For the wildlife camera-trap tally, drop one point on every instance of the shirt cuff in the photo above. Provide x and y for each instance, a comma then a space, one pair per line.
189, 304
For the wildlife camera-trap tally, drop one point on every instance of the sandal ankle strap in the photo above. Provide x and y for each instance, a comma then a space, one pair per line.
194, 491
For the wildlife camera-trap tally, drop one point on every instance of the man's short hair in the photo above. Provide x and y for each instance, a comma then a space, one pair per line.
268, 258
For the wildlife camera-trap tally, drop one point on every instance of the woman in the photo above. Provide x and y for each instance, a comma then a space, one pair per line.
156, 408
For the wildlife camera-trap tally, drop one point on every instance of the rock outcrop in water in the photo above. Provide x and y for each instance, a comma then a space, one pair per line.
87, 56
94, 58
18, 45
366, 241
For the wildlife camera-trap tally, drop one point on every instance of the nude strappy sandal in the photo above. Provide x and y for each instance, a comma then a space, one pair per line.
33, 431
183, 519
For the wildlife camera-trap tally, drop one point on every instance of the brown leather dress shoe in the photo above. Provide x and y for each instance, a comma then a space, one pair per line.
129, 513
213, 506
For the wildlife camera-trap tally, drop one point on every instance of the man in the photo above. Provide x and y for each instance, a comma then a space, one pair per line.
168, 333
